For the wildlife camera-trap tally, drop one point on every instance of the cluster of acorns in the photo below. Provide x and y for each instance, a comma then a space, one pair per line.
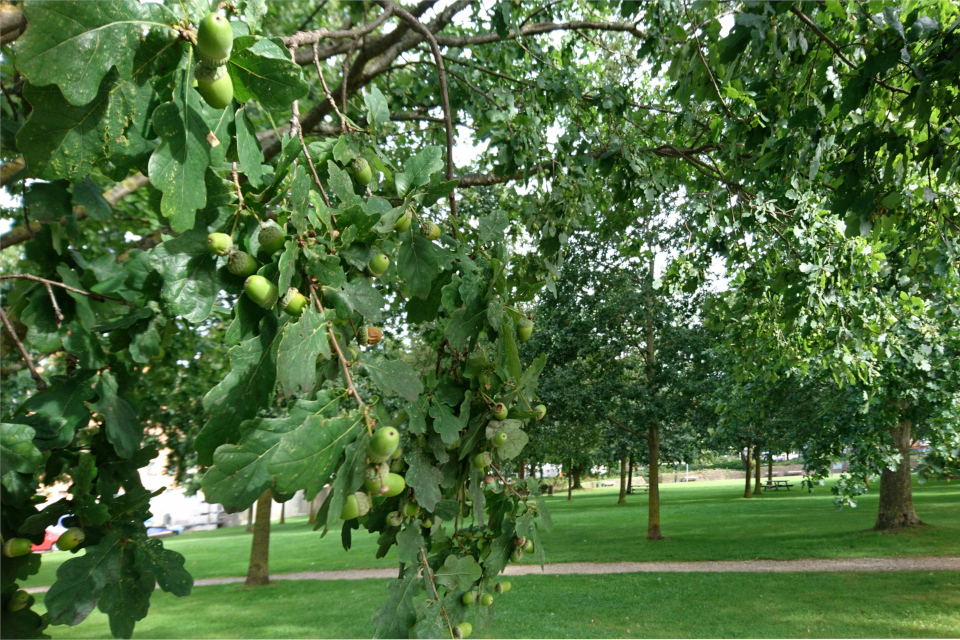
214, 43
380, 478
15, 547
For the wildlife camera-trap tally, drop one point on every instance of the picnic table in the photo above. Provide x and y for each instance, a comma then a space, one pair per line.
777, 484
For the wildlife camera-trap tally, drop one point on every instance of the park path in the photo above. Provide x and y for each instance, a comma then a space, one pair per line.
598, 568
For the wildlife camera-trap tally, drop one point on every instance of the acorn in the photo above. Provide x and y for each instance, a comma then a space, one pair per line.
404, 221
219, 243
430, 230
293, 302
361, 171
263, 292
241, 263
524, 329
378, 264
394, 519
271, 238
217, 92
214, 39
500, 411
369, 336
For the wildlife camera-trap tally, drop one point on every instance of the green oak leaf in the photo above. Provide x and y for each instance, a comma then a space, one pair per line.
126, 598
516, 438
395, 616
423, 478
394, 376
417, 264
247, 388
418, 169
307, 455
445, 423
81, 580
467, 321
248, 149
300, 345
166, 565
262, 70
365, 298
377, 109
122, 424
61, 140
194, 136
17, 451
57, 413
103, 35
349, 478
239, 473
189, 274
458, 573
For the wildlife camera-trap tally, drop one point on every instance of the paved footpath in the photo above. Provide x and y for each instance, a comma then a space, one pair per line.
595, 568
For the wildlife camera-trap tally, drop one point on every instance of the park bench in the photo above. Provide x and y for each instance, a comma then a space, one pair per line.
777, 484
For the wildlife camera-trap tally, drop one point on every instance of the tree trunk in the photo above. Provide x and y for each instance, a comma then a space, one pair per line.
570, 481
576, 478
250, 519
630, 475
748, 463
770, 467
283, 513
259, 572
522, 470
623, 481
314, 507
653, 508
896, 493
757, 487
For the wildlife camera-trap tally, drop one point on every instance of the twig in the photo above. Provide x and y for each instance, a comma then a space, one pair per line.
41, 385
429, 576
510, 487
56, 307
839, 51
297, 40
236, 182
346, 74
351, 389
96, 296
709, 71
326, 90
17, 366
295, 125
309, 18
419, 27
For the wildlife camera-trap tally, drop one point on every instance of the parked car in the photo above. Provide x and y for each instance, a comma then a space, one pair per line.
50, 537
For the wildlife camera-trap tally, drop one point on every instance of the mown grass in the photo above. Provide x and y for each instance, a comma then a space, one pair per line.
705, 521
679, 605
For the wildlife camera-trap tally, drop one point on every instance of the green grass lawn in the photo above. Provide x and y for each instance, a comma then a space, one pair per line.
734, 605
706, 521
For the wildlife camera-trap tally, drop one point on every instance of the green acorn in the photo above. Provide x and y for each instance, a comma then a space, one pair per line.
394, 519
500, 411
395, 485
219, 243
271, 238
242, 264
524, 329
263, 292
15, 547
411, 509
214, 39
70, 538
462, 630
500, 438
218, 93
362, 172
293, 302
541, 410
375, 478
350, 508
486, 600
378, 264
383, 443
430, 230
404, 221
18, 600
